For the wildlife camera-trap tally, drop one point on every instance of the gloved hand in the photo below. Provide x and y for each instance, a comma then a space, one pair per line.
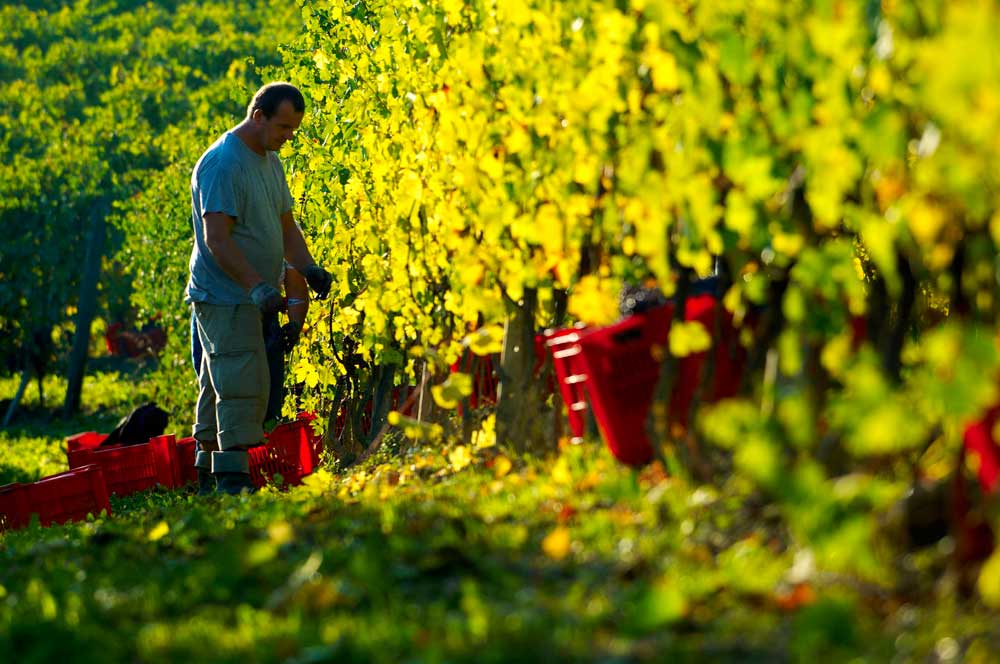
290, 333
274, 337
267, 298
319, 280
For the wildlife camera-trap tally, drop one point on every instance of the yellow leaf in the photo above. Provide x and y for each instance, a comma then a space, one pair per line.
158, 531
322, 60
788, 244
486, 340
449, 393
586, 169
595, 301
560, 472
925, 220
517, 140
501, 466
491, 165
689, 337
459, 457
319, 481
453, 10
995, 226
740, 214
279, 532
989, 581
879, 79
550, 228
556, 544
663, 69
410, 191
414, 428
487, 434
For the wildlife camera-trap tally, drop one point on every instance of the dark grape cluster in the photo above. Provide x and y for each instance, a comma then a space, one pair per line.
635, 299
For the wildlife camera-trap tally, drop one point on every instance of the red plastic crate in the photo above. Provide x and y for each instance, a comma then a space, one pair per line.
14, 506
186, 449
571, 376
287, 452
67, 496
978, 439
88, 440
133, 468
70, 496
622, 371
282, 458
315, 439
484, 377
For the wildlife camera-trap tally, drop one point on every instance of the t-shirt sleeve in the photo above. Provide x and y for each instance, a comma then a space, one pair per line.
218, 188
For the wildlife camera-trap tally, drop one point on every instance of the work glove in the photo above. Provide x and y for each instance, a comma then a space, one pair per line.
319, 280
274, 337
267, 298
290, 333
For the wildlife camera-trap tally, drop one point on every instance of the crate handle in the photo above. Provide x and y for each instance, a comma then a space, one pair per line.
628, 335
566, 352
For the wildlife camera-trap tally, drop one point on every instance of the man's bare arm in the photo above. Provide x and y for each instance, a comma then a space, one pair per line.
298, 295
296, 252
218, 229
298, 256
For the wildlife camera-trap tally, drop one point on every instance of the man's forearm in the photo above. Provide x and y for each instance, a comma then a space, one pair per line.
298, 295
296, 252
298, 312
232, 261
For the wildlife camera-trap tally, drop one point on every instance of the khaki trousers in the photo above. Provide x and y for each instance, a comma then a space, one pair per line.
234, 384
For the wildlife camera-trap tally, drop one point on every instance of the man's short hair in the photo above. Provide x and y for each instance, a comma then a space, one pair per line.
269, 98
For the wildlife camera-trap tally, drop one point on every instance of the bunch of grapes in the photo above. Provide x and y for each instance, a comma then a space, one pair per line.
635, 299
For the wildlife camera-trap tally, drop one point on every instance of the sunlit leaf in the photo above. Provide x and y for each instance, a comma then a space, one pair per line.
450, 393
486, 340
459, 457
557, 543
689, 337
158, 532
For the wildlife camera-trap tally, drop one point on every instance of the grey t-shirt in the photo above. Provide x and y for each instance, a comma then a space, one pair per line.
233, 179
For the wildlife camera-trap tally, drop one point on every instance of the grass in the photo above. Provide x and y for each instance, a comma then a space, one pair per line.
432, 553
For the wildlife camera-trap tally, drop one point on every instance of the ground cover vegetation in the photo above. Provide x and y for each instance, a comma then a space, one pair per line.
475, 172
452, 553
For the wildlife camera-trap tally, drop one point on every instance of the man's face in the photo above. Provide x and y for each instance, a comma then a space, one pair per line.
280, 127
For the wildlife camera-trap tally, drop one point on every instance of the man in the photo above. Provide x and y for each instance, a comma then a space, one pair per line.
244, 230
279, 339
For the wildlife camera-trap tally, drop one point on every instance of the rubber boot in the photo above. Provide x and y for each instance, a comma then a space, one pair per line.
206, 482
203, 464
232, 470
234, 483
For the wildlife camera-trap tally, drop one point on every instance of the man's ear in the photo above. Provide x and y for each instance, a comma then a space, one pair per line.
257, 115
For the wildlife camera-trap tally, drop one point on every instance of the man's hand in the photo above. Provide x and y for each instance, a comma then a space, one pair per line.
290, 333
319, 280
267, 298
